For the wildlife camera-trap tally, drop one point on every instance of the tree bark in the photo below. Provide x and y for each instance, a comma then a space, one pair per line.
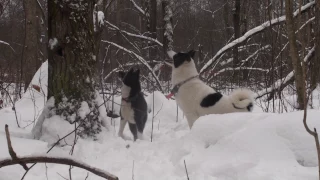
236, 26
153, 27
315, 64
30, 61
295, 60
72, 59
168, 28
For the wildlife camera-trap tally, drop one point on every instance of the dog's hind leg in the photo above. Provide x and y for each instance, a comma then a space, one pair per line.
121, 127
134, 131
191, 118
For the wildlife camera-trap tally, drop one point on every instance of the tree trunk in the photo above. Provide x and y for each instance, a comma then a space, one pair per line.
168, 28
315, 64
30, 60
236, 26
153, 27
295, 60
72, 60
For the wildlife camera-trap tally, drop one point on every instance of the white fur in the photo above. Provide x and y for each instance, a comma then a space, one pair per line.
192, 93
171, 53
127, 113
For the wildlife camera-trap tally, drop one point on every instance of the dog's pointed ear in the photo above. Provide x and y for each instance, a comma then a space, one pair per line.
192, 53
171, 53
121, 74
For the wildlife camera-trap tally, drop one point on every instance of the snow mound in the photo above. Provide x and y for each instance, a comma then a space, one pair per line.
30, 105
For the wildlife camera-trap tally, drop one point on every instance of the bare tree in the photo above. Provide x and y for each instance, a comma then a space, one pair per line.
295, 59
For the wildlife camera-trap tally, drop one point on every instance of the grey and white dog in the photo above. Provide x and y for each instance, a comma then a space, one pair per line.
195, 98
134, 108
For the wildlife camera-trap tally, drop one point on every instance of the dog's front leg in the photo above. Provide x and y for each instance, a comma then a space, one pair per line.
121, 127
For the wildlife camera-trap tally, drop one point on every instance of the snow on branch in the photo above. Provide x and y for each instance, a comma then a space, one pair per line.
143, 61
118, 69
138, 7
5, 43
133, 35
279, 84
240, 68
14, 160
252, 32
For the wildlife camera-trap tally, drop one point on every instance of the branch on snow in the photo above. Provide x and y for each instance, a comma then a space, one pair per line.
252, 32
143, 61
284, 82
48, 159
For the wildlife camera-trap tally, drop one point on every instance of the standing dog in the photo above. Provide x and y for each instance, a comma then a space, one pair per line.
133, 105
195, 98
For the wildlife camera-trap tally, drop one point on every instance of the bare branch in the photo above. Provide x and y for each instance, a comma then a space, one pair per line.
11, 151
143, 61
250, 33
133, 35
138, 7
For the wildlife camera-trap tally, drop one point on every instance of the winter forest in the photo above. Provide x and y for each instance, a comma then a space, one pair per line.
159, 89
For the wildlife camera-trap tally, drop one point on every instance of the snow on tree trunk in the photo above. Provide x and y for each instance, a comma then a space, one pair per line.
72, 59
168, 29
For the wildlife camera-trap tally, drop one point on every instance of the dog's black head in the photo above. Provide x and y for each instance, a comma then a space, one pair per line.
181, 58
131, 78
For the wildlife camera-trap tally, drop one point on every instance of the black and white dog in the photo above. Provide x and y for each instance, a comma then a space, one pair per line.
195, 98
134, 108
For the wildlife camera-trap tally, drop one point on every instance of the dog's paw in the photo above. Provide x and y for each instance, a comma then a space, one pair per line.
124, 137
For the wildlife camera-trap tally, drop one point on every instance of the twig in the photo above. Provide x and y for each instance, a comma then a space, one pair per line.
133, 170
185, 166
11, 151
13, 105
87, 176
62, 176
45, 164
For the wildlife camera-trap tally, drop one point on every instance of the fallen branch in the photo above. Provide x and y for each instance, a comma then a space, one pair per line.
48, 159
11, 151
58, 160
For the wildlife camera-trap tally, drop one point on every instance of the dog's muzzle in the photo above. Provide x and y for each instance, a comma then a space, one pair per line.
168, 62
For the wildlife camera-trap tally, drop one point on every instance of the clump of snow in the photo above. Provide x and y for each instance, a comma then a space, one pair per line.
53, 43
84, 110
56, 127
100, 18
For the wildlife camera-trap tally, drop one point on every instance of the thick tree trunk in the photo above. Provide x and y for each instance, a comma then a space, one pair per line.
295, 60
72, 60
31, 61
315, 64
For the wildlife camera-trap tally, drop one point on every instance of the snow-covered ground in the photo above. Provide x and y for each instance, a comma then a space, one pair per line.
242, 146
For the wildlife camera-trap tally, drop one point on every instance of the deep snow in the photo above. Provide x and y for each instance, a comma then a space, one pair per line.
244, 146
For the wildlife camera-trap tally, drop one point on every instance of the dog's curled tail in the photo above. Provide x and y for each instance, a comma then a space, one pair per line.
242, 99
